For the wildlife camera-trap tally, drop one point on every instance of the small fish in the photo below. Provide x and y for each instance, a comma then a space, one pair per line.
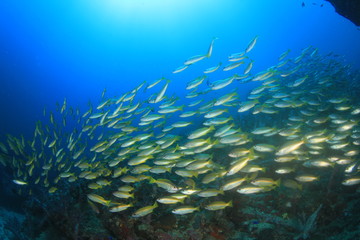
237, 166
181, 68
165, 184
200, 132
251, 45
120, 194
218, 205
212, 69
170, 200
248, 68
289, 147
264, 147
52, 190
126, 188
306, 178
94, 186
144, 210
289, 183
284, 55
210, 193
209, 52
245, 106
232, 66
219, 84
196, 82
120, 207
351, 181
151, 85
98, 199
19, 182
250, 189
265, 182
161, 94
185, 210
194, 59
284, 170
233, 183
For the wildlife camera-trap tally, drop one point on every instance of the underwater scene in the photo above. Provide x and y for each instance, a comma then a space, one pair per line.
180, 120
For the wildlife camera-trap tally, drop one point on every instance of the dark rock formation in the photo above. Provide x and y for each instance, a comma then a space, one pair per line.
348, 8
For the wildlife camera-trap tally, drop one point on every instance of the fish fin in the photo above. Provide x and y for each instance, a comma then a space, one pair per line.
152, 180
278, 182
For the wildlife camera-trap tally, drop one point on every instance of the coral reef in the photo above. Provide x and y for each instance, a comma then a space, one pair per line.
10, 225
281, 215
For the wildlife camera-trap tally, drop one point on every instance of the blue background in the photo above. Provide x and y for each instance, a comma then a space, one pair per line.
51, 50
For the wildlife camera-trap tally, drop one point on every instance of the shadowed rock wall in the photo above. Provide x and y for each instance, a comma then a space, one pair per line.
348, 8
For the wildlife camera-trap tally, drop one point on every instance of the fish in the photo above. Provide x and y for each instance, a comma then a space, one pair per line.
151, 85
161, 94
351, 181
231, 66
248, 68
284, 55
198, 151
170, 200
245, 106
210, 193
200, 132
226, 99
195, 83
233, 183
98, 199
306, 178
120, 207
237, 166
251, 45
219, 84
289, 147
218, 205
261, 147
209, 52
19, 182
185, 210
212, 69
125, 188
181, 68
141, 212
252, 189
265, 182
120, 194
165, 184
198, 58
194, 59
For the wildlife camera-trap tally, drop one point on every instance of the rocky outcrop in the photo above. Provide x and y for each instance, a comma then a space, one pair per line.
348, 8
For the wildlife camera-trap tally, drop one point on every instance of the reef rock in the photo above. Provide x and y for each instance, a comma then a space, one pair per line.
348, 8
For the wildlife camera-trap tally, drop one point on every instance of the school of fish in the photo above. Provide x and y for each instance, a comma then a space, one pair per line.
298, 124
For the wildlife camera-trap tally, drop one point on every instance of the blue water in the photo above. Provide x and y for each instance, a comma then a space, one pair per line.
74, 49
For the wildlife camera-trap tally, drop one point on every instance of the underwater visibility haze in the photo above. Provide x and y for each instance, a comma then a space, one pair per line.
184, 119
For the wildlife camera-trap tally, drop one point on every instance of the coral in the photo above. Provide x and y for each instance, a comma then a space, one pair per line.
266, 217
307, 226
65, 214
347, 235
11, 225
259, 227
